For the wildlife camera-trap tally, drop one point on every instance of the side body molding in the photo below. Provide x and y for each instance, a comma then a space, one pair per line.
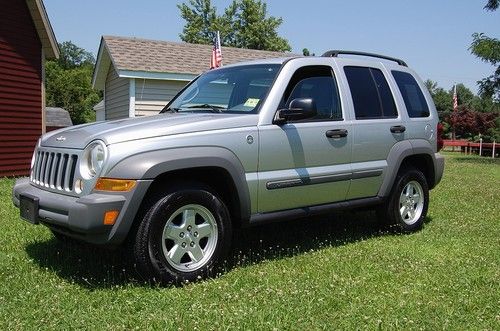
149, 165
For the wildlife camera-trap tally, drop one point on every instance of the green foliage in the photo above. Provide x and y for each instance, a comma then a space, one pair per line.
336, 272
470, 124
69, 83
488, 50
72, 56
492, 5
464, 95
306, 52
201, 21
442, 99
476, 114
243, 24
252, 29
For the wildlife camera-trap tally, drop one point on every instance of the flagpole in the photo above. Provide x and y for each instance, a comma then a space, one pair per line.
216, 59
455, 106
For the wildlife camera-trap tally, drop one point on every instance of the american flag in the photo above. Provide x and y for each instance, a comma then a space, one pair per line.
455, 98
216, 60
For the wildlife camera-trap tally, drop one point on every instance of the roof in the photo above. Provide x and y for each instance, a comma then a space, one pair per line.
57, 117
43, 28
156, 59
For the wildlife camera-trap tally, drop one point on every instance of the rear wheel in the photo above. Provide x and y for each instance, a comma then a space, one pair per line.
406, 207
184, 236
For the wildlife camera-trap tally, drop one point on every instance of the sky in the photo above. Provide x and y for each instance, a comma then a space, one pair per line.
433, 37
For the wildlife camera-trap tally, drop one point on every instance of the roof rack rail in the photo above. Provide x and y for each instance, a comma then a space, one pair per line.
336, 53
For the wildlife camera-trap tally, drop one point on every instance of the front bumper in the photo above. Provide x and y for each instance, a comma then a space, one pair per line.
82, 218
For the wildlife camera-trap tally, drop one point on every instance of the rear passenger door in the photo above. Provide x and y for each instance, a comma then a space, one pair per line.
377, 126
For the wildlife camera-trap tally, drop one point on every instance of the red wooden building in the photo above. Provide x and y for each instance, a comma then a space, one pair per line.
26, 40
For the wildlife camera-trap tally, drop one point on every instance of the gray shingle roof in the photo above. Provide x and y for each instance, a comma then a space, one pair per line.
57, 117
137, 54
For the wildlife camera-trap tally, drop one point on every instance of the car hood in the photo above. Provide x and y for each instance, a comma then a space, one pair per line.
112, 132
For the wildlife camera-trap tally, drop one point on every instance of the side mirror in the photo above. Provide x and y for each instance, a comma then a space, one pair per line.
299, 109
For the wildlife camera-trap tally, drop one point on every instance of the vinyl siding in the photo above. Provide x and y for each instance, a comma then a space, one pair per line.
20, 88
152, 95
116, 96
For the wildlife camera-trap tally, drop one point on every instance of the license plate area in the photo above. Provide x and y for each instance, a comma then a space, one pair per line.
28, 207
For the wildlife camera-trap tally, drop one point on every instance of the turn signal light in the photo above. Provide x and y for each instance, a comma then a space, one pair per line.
114, 185
110, 217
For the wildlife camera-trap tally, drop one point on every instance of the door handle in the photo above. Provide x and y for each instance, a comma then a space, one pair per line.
339, 133
398, 129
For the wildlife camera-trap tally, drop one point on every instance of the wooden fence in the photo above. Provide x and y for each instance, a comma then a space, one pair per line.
469, 147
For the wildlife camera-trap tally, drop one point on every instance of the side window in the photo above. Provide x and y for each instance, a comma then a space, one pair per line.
370, 92
412, 94
319, 84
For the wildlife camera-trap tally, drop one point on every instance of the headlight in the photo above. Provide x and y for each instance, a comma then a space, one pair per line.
93, 159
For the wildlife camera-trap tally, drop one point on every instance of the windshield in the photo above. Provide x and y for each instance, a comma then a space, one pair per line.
228, 90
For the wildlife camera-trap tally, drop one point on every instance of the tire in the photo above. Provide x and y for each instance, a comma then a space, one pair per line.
183, 237
406, 207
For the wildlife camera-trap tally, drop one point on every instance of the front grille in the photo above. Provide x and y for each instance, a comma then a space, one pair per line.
54, 170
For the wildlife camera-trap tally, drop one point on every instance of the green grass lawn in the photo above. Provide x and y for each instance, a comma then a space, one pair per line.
336, 272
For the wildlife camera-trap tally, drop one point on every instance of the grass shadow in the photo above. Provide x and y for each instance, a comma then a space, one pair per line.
94, 268
89, 266
285, 239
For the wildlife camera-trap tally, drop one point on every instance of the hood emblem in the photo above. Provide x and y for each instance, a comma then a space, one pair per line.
61, 138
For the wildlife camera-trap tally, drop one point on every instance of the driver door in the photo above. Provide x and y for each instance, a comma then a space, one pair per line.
301, 163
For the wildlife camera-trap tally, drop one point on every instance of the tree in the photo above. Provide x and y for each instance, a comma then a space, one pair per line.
475, 115
492, 5
243, 24
253, 30
69, 83
464, 95
488, 50
442, 99
201, 22
469, 124
72, 56
306, 52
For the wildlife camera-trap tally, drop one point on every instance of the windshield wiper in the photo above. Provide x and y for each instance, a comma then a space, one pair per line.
212, 108
172, 110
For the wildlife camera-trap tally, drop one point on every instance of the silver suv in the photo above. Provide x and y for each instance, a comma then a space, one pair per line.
241, 145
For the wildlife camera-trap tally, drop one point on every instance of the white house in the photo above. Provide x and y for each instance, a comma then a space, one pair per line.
139, 76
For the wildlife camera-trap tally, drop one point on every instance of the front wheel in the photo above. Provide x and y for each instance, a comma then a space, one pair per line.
407, 205
183, 237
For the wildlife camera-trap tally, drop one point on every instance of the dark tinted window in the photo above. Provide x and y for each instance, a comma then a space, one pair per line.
386, 99
412, 94
370, 93
318, 83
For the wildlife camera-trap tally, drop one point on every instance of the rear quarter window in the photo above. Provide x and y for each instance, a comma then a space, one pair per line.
414, 99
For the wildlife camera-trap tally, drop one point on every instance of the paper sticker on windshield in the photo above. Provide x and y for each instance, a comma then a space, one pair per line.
251, 102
